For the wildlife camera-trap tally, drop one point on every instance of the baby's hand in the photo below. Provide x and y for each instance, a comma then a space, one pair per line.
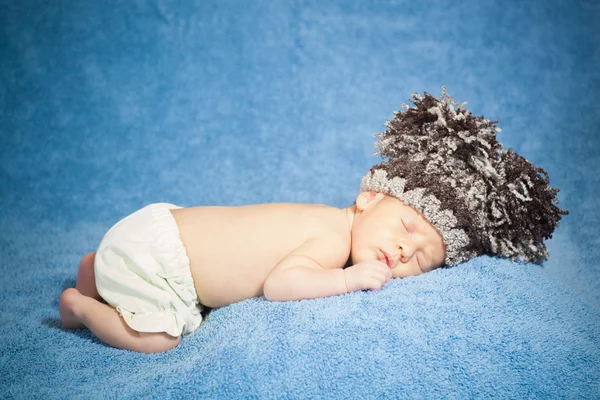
371, 275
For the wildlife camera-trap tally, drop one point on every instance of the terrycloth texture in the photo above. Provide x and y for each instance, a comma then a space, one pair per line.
108, 106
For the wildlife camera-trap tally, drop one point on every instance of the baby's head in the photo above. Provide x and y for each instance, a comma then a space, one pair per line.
466, 194
386, 229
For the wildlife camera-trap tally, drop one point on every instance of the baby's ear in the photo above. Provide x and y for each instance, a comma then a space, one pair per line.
367, 199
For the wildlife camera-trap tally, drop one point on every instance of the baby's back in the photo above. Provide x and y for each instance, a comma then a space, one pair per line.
233, 249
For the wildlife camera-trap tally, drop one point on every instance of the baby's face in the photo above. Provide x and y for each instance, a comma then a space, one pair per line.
386, 229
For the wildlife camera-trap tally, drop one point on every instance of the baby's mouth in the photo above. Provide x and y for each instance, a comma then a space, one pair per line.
384, 257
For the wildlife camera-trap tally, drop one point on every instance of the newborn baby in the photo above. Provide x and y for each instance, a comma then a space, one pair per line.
447, 193
165, 257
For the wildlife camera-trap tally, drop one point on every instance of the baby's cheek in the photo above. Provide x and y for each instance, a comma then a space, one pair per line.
405, 270
362, 254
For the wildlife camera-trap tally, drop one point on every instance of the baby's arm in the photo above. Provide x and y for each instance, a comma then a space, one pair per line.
314, 270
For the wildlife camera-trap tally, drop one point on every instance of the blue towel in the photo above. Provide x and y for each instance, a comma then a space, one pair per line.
108, 106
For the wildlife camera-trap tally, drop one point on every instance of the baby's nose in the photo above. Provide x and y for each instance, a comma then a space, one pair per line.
406, 253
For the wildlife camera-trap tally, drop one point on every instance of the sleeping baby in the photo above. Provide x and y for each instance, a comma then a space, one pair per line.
447, 193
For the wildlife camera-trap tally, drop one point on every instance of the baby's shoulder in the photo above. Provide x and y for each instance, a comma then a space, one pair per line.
330, 240
328, 249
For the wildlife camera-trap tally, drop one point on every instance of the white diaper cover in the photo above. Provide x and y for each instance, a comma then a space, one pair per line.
142, 269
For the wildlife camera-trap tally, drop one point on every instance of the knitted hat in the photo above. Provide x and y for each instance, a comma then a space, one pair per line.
448, 165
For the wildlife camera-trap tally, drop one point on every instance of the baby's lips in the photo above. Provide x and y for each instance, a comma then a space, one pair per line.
386, 259
381, 257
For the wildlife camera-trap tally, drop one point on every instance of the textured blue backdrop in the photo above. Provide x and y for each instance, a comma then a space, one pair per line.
106, 106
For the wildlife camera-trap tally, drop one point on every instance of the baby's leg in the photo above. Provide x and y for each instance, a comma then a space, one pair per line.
86, 279
77, 310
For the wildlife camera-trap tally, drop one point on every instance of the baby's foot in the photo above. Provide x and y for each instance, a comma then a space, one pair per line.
69, 299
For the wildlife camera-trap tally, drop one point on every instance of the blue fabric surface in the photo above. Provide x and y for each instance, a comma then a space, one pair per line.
106, 106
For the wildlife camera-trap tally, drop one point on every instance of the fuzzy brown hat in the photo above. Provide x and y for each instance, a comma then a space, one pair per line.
448, 165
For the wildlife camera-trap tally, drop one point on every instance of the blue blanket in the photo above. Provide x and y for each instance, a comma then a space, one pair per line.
108, 106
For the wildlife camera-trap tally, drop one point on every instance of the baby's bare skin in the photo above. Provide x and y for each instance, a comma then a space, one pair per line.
284, 251
232, 250
290, 251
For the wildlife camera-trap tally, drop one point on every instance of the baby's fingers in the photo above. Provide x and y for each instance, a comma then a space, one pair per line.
376, 283
380, 278
384, 273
